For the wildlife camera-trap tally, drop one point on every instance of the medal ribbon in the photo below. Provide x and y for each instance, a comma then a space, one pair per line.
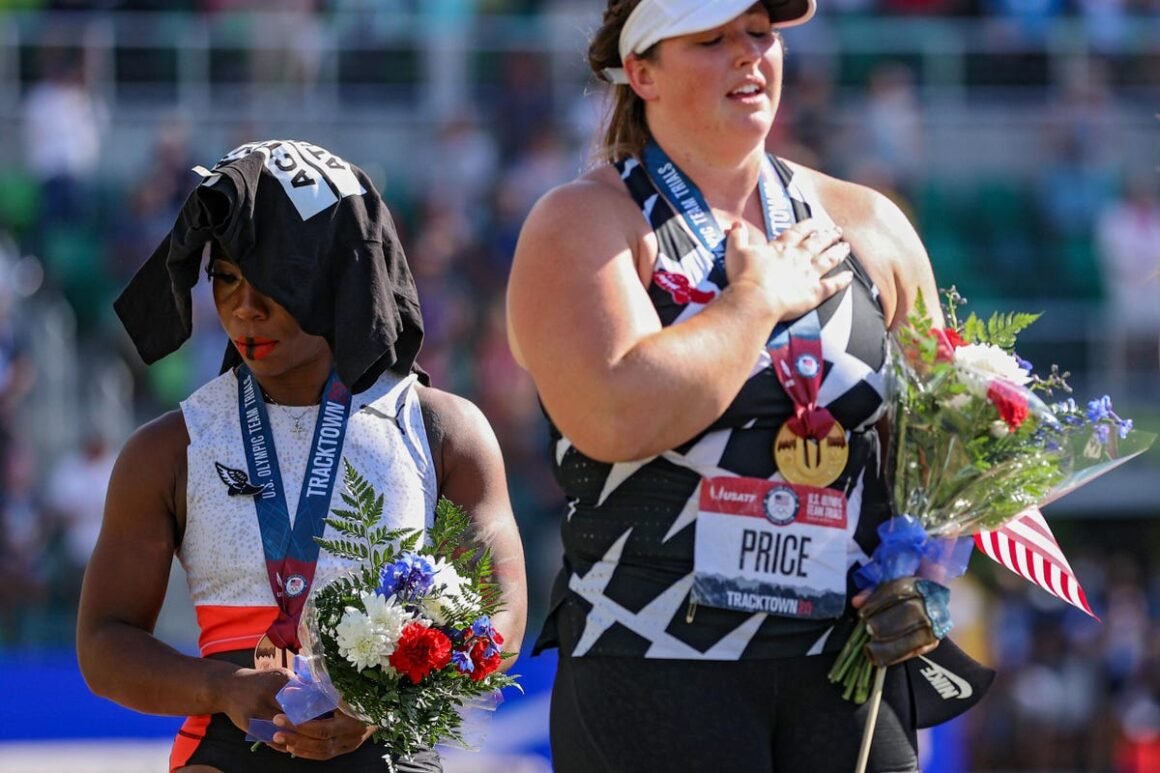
791, 353
797, 361
291, 551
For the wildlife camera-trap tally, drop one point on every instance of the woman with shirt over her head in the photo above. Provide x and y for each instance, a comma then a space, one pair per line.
706, 326
314, 293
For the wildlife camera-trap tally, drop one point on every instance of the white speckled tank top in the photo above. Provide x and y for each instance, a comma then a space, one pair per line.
222, 547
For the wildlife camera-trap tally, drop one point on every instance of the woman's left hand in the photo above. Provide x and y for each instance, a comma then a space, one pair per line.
905, 618
320, 739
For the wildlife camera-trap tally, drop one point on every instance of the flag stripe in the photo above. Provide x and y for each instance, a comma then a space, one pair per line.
1036, 542
1027, 547
1040, 576
986, 541
1034, 528
1021, 564
1056, 581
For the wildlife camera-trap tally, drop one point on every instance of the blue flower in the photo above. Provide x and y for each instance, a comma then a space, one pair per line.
1125, 428
1025, 364
462, 661
409, 577
482, 627
1102, 432
1100, 409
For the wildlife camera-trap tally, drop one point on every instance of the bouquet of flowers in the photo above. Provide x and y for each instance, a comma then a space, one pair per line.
972, 448
406, 642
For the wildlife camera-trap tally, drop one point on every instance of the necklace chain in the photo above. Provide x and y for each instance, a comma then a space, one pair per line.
298, 427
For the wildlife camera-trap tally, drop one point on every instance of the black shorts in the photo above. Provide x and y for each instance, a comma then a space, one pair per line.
629, 715
225, 747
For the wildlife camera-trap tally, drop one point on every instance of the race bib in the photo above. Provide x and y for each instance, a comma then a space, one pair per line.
769, 546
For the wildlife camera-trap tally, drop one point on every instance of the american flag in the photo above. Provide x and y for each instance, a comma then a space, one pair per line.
1027, 547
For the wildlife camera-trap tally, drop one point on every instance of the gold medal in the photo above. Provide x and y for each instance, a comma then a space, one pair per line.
811, 462
267, 656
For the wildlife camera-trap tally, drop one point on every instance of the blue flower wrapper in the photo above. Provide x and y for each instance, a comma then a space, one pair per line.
907, 550
261, 730
309, 694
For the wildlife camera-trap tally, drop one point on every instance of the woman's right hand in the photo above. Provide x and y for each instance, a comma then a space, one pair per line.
249, 693
789, 272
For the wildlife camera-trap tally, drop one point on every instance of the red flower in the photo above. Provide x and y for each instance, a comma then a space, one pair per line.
1010, 402
484, 664
420, 651
948, 340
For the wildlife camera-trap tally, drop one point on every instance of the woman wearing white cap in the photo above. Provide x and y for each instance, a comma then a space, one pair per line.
710, 354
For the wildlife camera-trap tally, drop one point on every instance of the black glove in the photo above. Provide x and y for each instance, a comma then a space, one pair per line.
905, 618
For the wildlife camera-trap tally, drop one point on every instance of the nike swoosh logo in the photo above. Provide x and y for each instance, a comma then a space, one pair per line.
945, 683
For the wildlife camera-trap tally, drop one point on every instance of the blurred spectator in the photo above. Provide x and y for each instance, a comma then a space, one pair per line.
892, 131
546, 161
522, 103
1128, 247
17, 371
63, 124
435, 255
75, 498
1106, 23
287, 47
152, 204
805, 128
1022, 22
24, 537
464, 161
1071, 188
1082, 114
1138, 744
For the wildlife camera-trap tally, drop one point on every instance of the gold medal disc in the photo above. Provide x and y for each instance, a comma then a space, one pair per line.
267, 656
810, 462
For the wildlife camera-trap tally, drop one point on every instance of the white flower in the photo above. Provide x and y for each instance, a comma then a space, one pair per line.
992, 361
449, 587
958, 402
359, 640
388, 619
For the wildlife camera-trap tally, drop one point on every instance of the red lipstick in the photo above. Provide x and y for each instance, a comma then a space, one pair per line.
255, 348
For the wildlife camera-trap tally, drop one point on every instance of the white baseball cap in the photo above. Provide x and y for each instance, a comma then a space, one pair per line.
655, 20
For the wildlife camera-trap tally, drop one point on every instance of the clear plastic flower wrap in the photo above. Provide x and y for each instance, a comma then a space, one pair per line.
405, 643
972, 447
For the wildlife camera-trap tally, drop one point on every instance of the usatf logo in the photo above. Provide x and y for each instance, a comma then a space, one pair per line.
781, 505
295, 584
946, 684
237, 482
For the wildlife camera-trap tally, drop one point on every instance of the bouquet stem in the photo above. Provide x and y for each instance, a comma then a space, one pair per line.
871, 719
853, 669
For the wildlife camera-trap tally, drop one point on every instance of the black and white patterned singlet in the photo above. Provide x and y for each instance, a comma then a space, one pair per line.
629, 528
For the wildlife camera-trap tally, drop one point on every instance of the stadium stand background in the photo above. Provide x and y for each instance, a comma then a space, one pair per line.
1021, 137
